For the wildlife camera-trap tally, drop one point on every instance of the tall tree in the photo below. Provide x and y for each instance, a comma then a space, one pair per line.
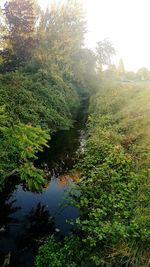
61, 31
121, 68
105, 52
20, 19
84, 69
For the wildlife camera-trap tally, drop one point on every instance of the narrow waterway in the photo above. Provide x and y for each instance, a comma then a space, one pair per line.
28, 218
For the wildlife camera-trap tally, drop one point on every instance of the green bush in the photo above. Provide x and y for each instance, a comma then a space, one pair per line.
38, 99
114, 202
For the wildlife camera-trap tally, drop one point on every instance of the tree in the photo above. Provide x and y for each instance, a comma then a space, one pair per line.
61, 30
130, 75
110, 74
105, 51
20, 40
2, 29
121, 69
143, 74
84, 69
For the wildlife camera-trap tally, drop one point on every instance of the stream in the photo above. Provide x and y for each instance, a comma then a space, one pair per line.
28, 218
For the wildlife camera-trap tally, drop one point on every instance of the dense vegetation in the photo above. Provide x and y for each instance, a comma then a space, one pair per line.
43, 67
113, 228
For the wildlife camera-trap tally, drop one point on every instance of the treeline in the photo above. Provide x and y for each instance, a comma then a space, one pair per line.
112, 193
44, 68
121, 74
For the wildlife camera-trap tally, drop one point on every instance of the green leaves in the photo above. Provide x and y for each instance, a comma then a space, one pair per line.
38, 100
109, 199
31, 176
20, 39
54, 254
105, 52
18, 148
114, 202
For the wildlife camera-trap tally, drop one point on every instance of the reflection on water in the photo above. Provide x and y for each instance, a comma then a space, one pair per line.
62, 154
38, 226
7, 207
65, 180
28, 218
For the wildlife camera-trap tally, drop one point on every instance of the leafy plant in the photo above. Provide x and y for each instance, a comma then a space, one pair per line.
113, 227
19, 146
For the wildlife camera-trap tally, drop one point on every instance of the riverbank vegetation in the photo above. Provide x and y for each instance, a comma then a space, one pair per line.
45, 70
43, 67
113, 227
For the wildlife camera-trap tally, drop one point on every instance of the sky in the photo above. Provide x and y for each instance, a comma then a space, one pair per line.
126, 23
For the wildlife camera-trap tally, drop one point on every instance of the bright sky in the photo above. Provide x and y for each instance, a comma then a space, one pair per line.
126, 23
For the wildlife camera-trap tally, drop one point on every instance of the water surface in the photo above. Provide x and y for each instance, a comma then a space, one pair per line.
27, 218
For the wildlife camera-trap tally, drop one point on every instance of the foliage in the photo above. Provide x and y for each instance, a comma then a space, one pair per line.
38, 99
84, 69
19, 41
113, 226
130, 75
121, 68
143, 74
105, 52
60, 48
39, 82
18, 151
61, 32
54, 254
111, 179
